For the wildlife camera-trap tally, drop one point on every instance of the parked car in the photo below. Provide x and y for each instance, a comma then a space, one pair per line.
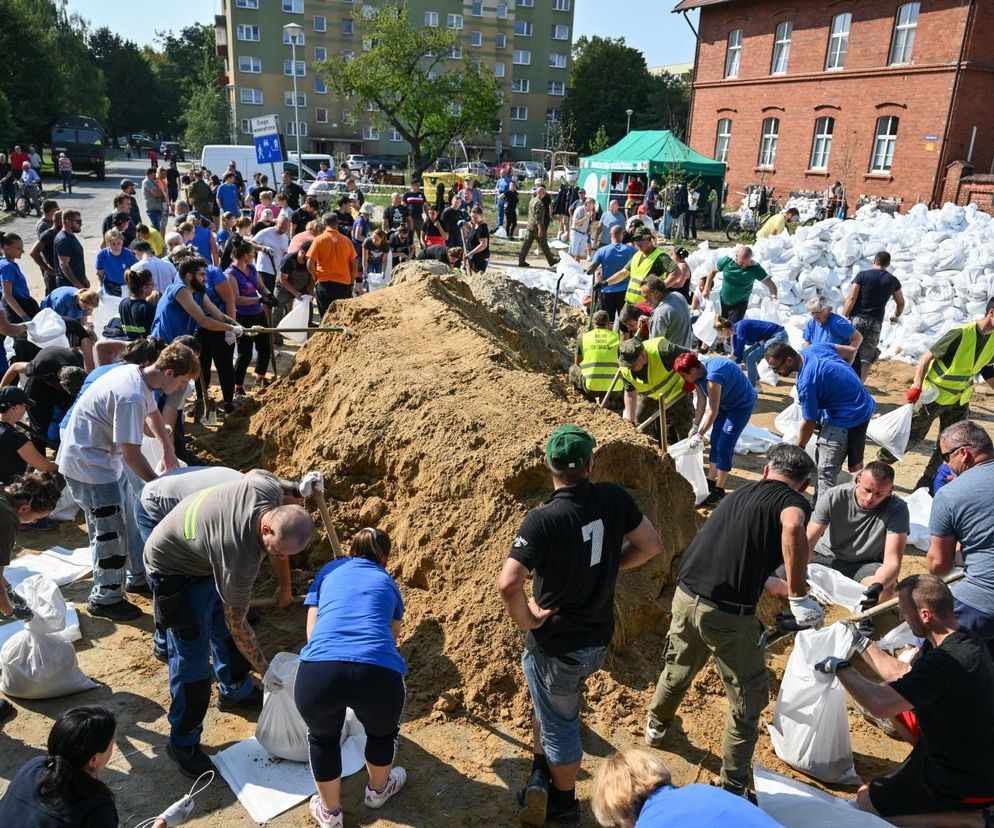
448, 179
172, 151
390, 164
477, 169
564, 172
528, 169
355, 162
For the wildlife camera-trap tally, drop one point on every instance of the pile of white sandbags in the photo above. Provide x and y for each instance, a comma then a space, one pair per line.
807, 206
575, 282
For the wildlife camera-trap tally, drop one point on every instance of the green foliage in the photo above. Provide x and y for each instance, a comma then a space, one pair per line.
8, 129
185, 62
459, 102
600, 141
132, 85
207, 118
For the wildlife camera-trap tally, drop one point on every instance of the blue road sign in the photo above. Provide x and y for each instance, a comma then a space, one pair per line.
268, 150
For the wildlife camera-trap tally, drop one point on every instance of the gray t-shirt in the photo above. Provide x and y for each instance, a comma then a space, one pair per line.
962, 509
671, 320
854, 534
162, 495
213, 532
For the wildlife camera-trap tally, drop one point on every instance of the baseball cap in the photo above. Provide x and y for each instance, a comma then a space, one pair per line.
11, 395
640, 233
127, 182
366, 208
569, 447
629, 351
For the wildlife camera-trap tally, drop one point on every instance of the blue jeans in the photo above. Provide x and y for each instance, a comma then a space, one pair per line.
728, 427
145, 526
67, 182
755, 352
155, 219
973, 619
555, 684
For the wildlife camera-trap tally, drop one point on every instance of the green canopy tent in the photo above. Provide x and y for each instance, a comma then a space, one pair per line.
648, 154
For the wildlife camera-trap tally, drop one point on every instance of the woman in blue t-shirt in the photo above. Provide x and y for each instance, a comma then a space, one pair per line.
18, 304
731, 397
112, 261
351, 660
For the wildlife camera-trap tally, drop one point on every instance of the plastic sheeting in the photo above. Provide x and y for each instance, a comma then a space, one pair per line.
796, 805
690, 465
919, 511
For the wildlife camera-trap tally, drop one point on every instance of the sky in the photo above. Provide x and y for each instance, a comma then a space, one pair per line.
667, 40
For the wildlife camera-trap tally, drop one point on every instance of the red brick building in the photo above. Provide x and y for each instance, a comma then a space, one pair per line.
879, 94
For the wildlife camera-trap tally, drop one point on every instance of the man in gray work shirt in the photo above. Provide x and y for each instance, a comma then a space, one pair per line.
670, 317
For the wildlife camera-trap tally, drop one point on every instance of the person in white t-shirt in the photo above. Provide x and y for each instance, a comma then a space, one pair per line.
277, 240
579, 235
690, 216
104, 432
163, 271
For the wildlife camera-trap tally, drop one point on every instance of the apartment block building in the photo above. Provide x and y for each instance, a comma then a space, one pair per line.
883, 95
526, 43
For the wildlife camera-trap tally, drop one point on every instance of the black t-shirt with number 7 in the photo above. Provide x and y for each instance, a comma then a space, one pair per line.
572, 545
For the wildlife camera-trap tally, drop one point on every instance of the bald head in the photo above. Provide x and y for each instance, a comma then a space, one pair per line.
286, 530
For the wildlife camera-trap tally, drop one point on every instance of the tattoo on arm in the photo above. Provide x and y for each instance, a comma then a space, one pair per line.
247, 643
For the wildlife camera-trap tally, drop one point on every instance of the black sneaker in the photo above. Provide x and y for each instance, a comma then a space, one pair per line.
160, 655
253, 701
122, 610
713, 499
745, 793
7, 711
192, 760
533, 799
564, 816
139, 589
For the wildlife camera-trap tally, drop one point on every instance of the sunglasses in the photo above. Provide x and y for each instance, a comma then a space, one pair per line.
776, 368
945, 455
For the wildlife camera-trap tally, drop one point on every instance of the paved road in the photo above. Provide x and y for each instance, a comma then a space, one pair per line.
94, 199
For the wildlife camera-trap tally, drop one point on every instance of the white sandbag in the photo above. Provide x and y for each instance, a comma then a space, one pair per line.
831, 587
105, 312
794, 804
36, 662
299, 316
280, 729
704, 328
919, 512
892, 430
788, 422
500, 233
67, 508
810, 728
767, 375
690, 465
899, 638
47, 329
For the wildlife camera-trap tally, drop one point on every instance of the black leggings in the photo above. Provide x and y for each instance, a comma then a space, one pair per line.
327, 292
323, 689
213, 349
262, 344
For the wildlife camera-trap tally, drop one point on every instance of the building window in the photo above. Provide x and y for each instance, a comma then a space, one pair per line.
477, 8
348, 54
557, 87
821, 147
431, 19
320, 53
320, 115
883, 144
781, 48
247, 33
560, 5
301, 99
453, 21
523, 85
393, 135
553, 115
524, 4
502, 11
522, 57
768, 143
289, 70
560, 32
250, 96
456, 53
291, 128
293, 6
370, 134
523, 28
368, 12
723, 140
286, 38
320, 87
320, 23
499, 70
838, 41
500, 41
246, 4
251, 65
733, 54
518, 139
475, 38
347, 26
905, 27
246, 126
557, 60
367, 44
519, 113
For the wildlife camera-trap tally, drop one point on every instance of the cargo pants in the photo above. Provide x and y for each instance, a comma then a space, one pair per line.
736, 642
921, 422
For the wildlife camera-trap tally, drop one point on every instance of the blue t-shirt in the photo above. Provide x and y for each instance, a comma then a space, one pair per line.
836, 331
227, 196
11, 273
92, 377
213, 278
114, 266
609, 220
171, 318
612, 258
749, 332
703, 806
357, 600
201, 242
962, 509
736, 390
222, 237
829, 389
63, 301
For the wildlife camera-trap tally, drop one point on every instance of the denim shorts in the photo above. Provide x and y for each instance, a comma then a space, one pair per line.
555, 684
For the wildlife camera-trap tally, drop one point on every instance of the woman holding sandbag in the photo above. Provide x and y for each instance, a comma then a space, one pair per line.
351, 660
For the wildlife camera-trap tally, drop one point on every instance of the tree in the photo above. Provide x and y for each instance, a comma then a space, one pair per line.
132, 85
207, 117
600, 141
669, 104
184, 63
415, 86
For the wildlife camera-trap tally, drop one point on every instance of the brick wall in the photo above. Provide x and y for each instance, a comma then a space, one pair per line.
963, 187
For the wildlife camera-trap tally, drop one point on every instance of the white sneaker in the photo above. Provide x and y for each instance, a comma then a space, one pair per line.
323, 817
377, 799
654, 735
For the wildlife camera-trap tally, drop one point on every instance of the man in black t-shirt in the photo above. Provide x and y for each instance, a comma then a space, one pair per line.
941, 703
719, 583
292, 190
396, 215
414, 200
865, 307
307, 212
573, 545
401, 244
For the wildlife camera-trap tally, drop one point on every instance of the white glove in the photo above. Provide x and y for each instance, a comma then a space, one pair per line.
696, 441
230, 338
806, 611
830, 665
311, 482
179, 812
237, 330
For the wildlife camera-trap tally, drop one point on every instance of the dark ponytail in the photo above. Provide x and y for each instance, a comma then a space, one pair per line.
143, 351
7, 239
75, 738
371, 544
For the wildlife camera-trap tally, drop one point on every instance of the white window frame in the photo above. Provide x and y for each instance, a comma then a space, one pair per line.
348, 26
502, 11
476, 39
431, 19
555, 86
324, 23
348, 54
527, 28
902, 42
254, 65
723, 140
500, 69
370, 133
321, 115
246, 4
733, 53
320, 53
393, 135
367, 44
500, 40
246, 126
519, 113
884, 144
560, 31
291, 128
301, 39
524, 4
323, 90
521, 86
243, 29
838, 41
560, 5
253, 98
454, 21
522, 57
557, 60
456, 53
769, 137
300, 68
293, 6
476, 8
553, 116
781, 47
518, 139
288, 99
821, 144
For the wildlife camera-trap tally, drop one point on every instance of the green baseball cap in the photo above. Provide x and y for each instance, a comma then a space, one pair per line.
569, 447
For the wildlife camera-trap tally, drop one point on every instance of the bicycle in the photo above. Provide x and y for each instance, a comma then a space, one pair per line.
738, 232
26, 201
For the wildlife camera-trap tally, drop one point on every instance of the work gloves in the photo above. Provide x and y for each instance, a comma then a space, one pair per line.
806, 611
695, 441
237, 330
178, 813
311, 482
913, 394
269, 300
831, 665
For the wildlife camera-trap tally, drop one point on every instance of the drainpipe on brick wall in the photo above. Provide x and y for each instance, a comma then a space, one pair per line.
938, 182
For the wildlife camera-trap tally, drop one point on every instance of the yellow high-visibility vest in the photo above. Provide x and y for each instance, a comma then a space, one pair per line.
600, 359
954, 378
660, 381
639, 270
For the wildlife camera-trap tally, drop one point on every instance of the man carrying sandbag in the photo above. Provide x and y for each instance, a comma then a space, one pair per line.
941, 703
719, 584
945, 374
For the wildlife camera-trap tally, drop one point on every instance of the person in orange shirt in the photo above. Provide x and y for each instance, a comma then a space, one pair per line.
331, 260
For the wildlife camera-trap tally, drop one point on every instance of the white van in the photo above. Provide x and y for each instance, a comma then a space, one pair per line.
312, 161
216, 158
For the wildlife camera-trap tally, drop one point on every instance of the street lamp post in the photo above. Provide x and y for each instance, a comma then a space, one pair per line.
294, 31
629, 112
234, 113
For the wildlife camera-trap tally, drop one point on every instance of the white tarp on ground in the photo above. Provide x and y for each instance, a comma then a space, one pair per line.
796, 805
61, 565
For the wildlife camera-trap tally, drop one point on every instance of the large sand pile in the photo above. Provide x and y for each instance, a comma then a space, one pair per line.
431, 423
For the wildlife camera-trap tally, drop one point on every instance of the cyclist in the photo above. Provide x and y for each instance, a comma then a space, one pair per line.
31, 182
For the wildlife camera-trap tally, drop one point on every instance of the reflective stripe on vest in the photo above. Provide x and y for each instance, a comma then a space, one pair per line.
660, 381
600, 359
639, 269
955, 379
